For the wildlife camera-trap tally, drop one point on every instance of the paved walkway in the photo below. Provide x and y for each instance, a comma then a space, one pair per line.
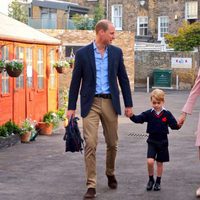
42, 170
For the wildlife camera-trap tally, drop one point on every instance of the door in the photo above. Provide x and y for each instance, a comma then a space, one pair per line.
19, 88
30, 90
52, 80
6, 86
40, 80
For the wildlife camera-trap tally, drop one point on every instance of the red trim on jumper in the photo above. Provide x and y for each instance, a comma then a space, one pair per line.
158, 116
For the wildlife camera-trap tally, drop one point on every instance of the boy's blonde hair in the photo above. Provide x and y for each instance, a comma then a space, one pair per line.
158, 94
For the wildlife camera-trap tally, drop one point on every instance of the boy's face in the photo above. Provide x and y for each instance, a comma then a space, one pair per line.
157, 105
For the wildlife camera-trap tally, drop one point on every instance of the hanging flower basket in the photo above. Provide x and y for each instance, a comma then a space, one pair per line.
14, 68
61, 66
1, 65
71, 62
60, 70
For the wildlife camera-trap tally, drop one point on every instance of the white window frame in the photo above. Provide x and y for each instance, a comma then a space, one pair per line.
117, 19
191, 10
160, 27
139, 19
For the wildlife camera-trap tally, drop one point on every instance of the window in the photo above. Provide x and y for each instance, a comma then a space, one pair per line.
19, 55
5, 77
49, 18
163, 24
142, 26
117, 16
52, 69
40, 69
191, 10
29, 67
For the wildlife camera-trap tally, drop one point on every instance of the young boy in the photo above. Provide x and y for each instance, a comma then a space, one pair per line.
158, 119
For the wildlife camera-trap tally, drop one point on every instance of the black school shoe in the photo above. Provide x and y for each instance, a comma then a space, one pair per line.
150, 185
157, 187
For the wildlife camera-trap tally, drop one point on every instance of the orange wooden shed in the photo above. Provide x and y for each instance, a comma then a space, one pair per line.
35, 91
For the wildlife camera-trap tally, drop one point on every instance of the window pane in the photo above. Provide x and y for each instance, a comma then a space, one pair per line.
117, 16
40, 69
19, 55
29, 67
192, 10
5, 77
143, 25
163, 26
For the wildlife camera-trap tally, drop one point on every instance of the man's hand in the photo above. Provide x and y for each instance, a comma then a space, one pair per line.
182, 119
128, 111
70, 113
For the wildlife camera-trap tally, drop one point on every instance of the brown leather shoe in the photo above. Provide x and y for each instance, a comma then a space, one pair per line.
90, 194
112, 182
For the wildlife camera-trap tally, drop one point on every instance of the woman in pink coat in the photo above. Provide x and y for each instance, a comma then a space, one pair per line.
187, 109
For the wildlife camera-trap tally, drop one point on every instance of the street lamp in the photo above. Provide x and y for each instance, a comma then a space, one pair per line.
142, 2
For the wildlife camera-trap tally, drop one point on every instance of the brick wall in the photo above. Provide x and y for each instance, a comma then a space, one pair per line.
146, 62
124, 40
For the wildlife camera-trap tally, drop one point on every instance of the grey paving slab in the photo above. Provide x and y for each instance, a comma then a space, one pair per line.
41, 170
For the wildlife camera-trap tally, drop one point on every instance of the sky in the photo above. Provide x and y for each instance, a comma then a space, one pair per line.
4, 6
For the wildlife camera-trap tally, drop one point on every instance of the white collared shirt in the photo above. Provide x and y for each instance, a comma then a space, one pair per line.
158, 112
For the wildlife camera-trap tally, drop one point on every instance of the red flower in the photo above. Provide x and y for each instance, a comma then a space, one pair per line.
164, 119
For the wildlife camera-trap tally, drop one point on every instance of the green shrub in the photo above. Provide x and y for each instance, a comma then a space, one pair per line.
51, 118
12, 128
3, 131
61, 114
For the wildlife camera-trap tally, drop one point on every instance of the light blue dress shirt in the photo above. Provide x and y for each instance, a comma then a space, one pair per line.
102, 83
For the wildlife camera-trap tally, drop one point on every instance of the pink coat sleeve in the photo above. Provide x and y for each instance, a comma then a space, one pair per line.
195, 92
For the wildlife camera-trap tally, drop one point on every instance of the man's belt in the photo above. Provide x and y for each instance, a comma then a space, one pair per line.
104, 96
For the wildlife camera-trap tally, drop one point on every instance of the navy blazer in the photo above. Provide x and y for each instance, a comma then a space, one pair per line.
84, 75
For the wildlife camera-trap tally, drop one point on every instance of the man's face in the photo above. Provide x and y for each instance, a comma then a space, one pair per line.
109, 35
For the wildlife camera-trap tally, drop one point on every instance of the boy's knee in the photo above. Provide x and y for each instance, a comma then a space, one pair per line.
150, 161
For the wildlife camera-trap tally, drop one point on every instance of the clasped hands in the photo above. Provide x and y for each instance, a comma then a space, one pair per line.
128, 112
182, 119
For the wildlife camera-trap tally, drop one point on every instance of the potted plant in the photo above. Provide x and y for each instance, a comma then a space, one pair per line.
1, 65
14, 67
27, 128
71, 58
71, 62
9, 134
61, 66
50, 120
61, 116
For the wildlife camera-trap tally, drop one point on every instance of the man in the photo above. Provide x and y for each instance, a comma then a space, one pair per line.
97, 68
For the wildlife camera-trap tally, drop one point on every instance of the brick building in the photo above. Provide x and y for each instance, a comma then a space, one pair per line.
149, 19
